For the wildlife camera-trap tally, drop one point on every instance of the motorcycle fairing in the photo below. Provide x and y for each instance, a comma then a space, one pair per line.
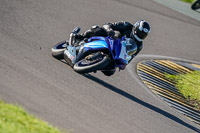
117, 50
97, 43
120, 56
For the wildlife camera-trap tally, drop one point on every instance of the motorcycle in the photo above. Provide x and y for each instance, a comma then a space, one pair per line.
96, 54
196, 5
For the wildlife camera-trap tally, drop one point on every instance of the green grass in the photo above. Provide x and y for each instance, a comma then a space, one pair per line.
188, 1
189, 85
14, 119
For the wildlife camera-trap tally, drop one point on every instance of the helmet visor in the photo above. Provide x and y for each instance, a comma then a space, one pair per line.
141, 34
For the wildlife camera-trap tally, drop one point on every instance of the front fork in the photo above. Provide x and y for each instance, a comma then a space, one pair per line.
73, 54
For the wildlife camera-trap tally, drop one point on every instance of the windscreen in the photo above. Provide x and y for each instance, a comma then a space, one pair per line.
131, 46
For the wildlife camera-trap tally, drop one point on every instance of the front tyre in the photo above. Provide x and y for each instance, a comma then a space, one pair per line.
58, 50
92, 63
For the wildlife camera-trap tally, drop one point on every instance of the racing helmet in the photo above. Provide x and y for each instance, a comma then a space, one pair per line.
141, 30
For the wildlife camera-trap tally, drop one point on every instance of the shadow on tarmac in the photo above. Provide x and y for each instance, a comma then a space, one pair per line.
197, 11
135, 99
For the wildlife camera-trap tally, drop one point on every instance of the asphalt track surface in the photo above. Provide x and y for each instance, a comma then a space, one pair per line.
93, 103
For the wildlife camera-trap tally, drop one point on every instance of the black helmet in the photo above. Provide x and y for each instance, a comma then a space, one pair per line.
141, 30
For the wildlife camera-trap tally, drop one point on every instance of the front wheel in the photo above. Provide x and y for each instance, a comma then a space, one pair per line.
58, 50
92, 63
196, 5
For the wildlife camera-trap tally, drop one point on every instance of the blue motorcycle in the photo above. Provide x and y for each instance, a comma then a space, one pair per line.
98, 53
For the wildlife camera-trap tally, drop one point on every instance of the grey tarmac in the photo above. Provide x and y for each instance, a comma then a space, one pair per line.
52, 91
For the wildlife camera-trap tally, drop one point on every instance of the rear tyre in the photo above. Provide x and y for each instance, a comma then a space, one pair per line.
92, 64
109, 72
58, 50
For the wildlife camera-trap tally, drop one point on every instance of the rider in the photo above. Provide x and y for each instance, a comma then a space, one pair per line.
135, 32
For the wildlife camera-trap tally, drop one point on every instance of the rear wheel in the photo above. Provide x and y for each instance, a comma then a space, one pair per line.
108, 72
92, 63
58, 50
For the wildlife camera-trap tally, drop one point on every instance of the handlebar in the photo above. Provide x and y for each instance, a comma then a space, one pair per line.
75, 31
